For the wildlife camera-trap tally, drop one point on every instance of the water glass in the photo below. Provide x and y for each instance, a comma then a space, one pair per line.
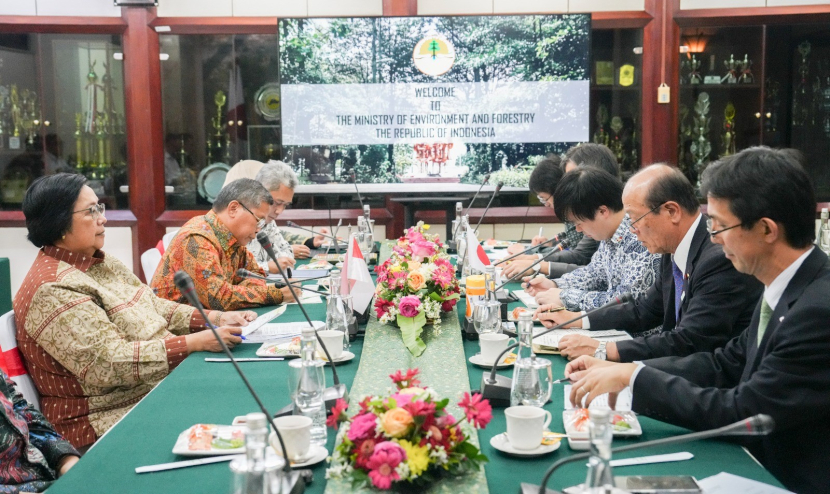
532, 381
487, 316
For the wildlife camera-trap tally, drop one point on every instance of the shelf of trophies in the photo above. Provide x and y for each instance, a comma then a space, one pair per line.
720, 106
616, 94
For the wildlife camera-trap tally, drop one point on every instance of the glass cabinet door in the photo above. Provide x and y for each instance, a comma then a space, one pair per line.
62, 110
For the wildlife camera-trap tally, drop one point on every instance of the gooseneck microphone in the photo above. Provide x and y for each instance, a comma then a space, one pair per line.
294, 225
458, 213
564, 244
185, 285
492, 198
496, 388
359, 197
244, 273
338, 391
531, 249
756, 425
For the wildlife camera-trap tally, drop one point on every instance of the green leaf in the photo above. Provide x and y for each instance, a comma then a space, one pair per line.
411, 329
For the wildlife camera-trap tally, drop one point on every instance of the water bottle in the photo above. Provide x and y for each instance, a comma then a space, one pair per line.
524, 330
824, 232
308, 400
257, 473
600, 478
490, 282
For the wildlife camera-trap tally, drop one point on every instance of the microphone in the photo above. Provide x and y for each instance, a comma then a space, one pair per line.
496, 388
756, 425
294, 225
338, 391
244, 273
457, 209
359, 198
493, 197
564, 244
185, 285
530, 249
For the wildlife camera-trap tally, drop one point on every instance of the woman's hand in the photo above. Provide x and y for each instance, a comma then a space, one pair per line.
204, 341
238, 318
65, 464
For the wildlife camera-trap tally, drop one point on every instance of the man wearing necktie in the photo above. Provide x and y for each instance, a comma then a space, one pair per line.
699, 298
762, 211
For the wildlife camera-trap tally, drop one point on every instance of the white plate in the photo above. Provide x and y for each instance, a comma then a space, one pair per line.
316, 455
180, 448
501, 443
629, 417
345, 357
479, 361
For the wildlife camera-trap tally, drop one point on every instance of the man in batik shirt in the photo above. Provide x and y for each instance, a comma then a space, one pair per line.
211, 248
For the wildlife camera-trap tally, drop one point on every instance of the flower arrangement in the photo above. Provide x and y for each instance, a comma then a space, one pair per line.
416, 283
406, 438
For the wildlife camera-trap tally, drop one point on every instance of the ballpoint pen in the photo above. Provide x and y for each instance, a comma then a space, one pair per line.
564, 380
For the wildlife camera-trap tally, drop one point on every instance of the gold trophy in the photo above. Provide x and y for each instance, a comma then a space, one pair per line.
16, 117
728, 136
215, 143
79, 143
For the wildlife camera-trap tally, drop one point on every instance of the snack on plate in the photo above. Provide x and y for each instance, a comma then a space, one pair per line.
519, 310
492, 241
201, 435
578, 421
624, 423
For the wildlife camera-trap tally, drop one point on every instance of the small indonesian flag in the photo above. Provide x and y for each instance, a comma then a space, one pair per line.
355, 278
475, 252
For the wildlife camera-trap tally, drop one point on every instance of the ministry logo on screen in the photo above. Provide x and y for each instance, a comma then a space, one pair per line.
434, 55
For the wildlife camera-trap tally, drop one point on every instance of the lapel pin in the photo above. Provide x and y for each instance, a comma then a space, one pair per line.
781, 319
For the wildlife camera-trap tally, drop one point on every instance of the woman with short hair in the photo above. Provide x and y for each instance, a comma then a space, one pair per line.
94, 338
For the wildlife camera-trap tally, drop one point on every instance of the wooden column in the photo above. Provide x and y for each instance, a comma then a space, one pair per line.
661, 37
392, 8
145, 142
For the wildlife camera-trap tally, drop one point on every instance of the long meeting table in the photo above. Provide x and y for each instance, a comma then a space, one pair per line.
204, 392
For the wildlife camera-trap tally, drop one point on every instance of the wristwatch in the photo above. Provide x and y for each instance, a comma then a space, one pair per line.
537, 267
600, 351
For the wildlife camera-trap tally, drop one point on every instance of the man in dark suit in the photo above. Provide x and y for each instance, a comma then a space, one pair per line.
715, 301
762, 210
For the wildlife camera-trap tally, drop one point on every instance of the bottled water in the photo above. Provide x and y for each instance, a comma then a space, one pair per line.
311, 384
599, 477
257, 473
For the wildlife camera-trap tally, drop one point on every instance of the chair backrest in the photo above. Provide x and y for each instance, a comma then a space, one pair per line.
165, 240
149, 262
12, 363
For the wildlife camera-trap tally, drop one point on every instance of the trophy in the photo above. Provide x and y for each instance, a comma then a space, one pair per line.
728, 136
14, 98
694, 75
801, 110
701, 148
79, 143
746, 73
616, 139
601, 135
217, 141
733, 68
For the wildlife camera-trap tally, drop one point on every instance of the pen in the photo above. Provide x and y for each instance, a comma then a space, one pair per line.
540, 230
243, 338
526, 285
564, 380
556, 309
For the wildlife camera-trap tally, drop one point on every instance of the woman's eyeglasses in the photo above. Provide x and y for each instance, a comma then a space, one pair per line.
94, 211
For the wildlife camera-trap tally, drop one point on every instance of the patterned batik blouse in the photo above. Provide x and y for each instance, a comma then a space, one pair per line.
621, 264
205, 249
30, 448
95, 339
281, 241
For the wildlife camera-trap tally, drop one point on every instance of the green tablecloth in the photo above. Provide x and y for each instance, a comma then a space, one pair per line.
201, 392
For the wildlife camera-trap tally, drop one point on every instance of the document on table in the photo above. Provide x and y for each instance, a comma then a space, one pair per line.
263, 319
601, 401
310, 297
526, 299
727, 483
551, 340
280, 331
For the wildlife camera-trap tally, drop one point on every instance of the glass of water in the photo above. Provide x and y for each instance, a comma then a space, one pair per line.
487, 316
532, 382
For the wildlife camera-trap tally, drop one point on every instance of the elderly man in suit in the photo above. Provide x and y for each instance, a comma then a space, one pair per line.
699, 297
762, 211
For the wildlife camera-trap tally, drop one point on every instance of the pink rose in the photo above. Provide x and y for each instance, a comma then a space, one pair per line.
363, 427
423, 248
409, 306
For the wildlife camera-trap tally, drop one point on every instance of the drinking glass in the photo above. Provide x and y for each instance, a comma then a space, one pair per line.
487, 316
349, 305
532, 381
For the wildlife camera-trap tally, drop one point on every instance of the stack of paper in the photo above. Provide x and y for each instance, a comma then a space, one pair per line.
263, 319
526, 299
281, 331
549, 343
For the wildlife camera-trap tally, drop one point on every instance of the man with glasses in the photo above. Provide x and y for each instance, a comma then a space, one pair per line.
592, 200
211, 248
280, 181
700, 299
763, 211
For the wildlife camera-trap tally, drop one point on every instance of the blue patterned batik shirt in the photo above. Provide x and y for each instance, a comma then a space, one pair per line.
621, 264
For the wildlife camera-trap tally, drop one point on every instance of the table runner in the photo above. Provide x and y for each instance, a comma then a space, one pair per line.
443, 368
